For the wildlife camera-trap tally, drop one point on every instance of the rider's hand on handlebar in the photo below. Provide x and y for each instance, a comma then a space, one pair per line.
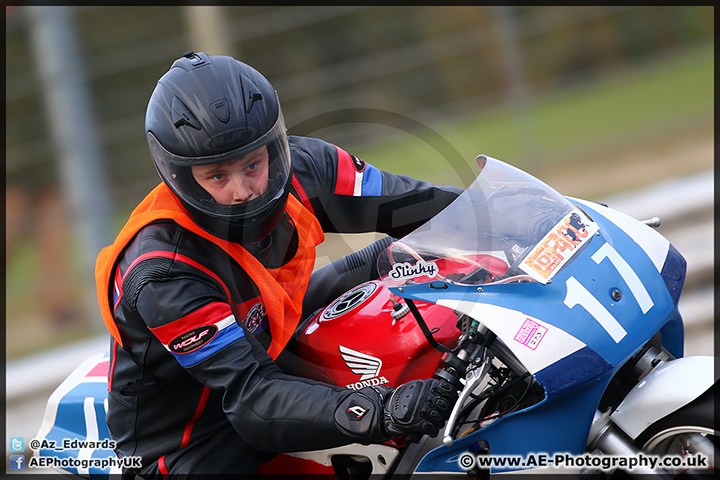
417, 408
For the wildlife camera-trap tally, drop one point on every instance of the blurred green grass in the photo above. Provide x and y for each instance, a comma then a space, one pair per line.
633, 104
638, 104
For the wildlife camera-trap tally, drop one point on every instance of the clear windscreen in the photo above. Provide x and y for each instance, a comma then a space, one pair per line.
507, 226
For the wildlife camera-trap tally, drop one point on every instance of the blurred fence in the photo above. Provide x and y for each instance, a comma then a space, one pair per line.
405, 59
424, 62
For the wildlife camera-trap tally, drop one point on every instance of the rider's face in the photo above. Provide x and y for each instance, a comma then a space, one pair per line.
237, 180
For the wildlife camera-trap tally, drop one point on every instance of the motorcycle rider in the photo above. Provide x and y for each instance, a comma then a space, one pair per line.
209, 279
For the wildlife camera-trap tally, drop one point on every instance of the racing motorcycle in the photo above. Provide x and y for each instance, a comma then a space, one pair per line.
554, 317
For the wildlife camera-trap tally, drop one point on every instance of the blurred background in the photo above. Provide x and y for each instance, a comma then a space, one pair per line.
596, 101
612, 104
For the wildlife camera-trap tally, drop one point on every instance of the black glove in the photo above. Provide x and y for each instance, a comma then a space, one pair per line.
418, 408
414, 409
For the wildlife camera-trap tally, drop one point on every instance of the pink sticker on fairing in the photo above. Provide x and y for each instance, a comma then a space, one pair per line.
530, 334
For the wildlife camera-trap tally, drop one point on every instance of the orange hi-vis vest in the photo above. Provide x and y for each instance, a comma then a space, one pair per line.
282, 289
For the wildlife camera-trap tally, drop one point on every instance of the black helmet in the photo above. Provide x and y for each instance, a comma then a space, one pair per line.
208, 109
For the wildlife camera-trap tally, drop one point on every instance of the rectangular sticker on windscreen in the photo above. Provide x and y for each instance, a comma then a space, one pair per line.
558, 246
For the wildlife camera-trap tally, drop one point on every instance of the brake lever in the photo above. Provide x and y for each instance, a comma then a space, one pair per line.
473, 378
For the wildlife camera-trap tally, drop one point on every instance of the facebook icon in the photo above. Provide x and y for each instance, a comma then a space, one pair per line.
17, 462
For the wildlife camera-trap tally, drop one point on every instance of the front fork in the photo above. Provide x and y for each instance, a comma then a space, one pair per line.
609, 439
649, 401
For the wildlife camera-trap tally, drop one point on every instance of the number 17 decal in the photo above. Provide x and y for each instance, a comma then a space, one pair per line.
577, 294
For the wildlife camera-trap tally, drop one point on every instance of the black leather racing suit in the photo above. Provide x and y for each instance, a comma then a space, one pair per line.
236, 408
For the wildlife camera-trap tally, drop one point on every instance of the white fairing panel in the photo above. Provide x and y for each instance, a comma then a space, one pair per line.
667, 388
535, 343
655, 245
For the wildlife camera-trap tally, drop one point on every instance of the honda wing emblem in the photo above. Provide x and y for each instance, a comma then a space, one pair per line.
360, 363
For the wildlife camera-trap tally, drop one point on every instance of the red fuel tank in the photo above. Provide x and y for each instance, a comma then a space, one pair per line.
361, 339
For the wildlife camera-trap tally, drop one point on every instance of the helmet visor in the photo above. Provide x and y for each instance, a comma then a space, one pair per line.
176, 171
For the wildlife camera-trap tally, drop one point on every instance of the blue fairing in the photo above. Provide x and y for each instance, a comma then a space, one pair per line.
557, 424
80, 416
611, 302
573, 370
597, 274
